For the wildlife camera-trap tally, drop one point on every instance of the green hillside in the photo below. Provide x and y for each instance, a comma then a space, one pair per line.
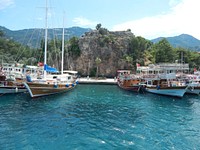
32, 37
183, 40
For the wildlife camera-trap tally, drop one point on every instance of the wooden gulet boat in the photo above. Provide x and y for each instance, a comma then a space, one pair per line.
50, 84
44, 89
129, 82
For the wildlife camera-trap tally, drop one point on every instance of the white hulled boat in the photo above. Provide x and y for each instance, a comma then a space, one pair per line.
10, 85
165, 84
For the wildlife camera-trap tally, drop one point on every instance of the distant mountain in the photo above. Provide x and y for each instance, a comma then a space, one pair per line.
32, 37
183, 40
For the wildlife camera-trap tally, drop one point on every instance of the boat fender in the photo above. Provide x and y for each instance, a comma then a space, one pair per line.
16, 89
55, 85
76, 82
28, 78
67, 85
158, 87
72, 84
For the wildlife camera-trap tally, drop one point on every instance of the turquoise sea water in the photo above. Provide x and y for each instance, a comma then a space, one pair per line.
99, 117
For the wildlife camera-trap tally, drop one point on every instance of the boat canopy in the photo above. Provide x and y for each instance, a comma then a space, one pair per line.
50, 69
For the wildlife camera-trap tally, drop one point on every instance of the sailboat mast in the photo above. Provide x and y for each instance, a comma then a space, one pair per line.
63, 45
45, 46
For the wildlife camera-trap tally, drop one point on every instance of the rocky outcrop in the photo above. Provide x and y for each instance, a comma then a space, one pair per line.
110, 47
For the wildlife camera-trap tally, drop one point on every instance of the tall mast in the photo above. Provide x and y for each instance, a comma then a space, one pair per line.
45, 46
182, 62
63, 44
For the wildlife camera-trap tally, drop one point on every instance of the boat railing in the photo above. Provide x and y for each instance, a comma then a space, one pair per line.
150, 77
176, 83
9, 83
194, 84
128, 77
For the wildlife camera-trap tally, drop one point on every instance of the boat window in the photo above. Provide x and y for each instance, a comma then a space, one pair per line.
149, 82
54, 77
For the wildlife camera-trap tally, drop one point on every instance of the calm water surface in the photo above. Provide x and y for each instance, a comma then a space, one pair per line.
99, 117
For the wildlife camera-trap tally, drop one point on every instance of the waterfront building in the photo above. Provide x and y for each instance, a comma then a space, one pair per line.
161, 68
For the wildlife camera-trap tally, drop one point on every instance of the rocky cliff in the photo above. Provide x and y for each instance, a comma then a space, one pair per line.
110, 47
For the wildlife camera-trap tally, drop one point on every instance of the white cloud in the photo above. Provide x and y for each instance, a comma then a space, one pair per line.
172, 3
80, 21
183, 18
5, 3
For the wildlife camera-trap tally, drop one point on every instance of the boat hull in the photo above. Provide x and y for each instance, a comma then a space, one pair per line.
130, 84
133, 88
175, 92
12, 89
193, 90
42, 89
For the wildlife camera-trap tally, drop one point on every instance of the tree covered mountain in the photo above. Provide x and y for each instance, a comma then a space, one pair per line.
183, 40
33, 37
115, 50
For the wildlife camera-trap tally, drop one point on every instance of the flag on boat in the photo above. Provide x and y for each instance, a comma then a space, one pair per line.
137, 65
40, 64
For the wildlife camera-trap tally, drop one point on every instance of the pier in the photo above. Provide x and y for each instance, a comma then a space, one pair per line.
110, 81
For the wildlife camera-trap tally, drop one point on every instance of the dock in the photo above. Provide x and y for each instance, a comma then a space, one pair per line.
109, 81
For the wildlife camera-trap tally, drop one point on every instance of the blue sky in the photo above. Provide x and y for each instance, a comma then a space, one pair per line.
147, 18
